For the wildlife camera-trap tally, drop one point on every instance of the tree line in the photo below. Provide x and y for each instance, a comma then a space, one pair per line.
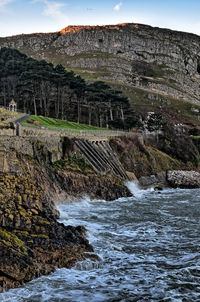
40, 88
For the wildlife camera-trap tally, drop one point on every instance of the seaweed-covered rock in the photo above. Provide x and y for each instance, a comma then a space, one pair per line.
32, 242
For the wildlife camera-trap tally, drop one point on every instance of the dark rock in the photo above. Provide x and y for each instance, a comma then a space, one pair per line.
32, 242
158, 179
158, 188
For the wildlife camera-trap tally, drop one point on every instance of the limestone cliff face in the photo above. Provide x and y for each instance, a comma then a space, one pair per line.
154, 59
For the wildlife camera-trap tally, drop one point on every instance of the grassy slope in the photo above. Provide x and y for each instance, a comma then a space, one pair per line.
56, 124
175, 110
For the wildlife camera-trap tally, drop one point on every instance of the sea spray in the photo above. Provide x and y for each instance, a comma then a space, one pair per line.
135, 189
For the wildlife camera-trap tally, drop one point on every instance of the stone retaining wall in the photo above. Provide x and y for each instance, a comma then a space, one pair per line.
25, 144
92, 135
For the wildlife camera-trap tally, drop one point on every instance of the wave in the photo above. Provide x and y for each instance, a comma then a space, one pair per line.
135, 189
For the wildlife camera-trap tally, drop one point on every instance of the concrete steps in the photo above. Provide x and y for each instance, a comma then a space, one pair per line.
91, 156
101, 157
113, 160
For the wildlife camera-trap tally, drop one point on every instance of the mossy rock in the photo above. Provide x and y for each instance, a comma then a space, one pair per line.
13, 242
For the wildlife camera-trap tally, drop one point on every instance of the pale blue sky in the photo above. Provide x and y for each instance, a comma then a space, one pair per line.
28, 16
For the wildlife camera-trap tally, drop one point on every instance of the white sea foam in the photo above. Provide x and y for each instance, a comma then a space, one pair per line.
143, 242
134, 188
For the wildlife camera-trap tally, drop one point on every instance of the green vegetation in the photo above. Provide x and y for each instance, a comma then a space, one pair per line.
4, 116
154, 162
42, 89
175, 142
151, 70
196, 142
92, 74
56, 124
143, 101
12, 242
155, 122
142, 159
172, 110
73, 162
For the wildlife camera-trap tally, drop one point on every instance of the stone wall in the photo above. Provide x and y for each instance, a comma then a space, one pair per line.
6, 132
25, 145
92, 135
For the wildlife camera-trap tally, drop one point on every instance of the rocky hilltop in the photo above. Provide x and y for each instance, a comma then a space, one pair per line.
155, 60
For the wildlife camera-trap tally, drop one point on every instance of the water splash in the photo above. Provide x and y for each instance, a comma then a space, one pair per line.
135, 189
87, 265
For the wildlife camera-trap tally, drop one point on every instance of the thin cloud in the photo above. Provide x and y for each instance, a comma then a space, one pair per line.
53, 9
118, 6
3, 3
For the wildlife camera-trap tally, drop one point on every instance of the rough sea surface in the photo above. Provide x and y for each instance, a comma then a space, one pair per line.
148, 247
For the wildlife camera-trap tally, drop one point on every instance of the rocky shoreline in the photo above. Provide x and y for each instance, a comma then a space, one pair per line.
184, 179
32, 241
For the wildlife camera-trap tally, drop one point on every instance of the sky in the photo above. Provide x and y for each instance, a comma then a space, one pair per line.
30, 16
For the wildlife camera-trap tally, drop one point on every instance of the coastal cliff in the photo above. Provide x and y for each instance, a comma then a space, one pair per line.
37, 173
33, 178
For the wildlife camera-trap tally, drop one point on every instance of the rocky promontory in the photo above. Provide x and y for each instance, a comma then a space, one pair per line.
38, 172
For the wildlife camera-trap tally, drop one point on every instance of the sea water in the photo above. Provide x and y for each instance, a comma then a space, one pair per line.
148, 247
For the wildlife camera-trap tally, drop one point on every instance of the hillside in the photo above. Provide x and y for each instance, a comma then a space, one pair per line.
40, 88
152, 66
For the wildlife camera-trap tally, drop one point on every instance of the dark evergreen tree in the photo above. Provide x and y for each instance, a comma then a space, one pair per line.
40, 88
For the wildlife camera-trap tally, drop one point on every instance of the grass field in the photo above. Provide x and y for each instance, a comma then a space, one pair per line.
56, 124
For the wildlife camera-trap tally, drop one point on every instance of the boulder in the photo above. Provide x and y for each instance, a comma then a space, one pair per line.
152, 180
183, 179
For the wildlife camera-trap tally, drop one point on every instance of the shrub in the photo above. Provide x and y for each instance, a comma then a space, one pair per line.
180, 147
